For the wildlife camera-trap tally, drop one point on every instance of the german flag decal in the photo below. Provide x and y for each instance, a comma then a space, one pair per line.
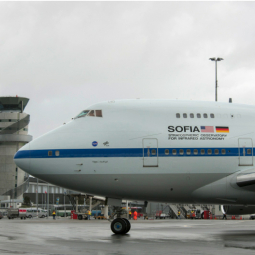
222, 130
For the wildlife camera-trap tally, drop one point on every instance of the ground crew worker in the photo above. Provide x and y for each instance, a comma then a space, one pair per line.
54, 215
135, 215
89, 213
224, 216
192, 214
179, 214
130, 214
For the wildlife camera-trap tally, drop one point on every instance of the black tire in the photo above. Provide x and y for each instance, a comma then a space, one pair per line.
119, 226
128, 225
79, 217
43, 216
30, 216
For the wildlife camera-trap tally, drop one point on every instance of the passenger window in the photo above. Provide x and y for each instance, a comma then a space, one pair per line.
184, 115
223, 151
191, 115
249, 151
216, 151
198, 115
195, 151
49, 153
212, 115
153, 152
91, 113
181, 151
205, 115
174, 151
167, 152
57, 153
178, 115
202, 152
209, 151
99, 113
188, 151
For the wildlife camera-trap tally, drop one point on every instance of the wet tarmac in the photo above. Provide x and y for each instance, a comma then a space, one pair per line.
65, 236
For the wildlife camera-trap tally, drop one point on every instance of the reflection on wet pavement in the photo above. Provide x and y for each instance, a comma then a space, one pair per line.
65, 236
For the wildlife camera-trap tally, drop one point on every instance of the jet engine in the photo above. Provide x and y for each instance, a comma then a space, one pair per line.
237, 210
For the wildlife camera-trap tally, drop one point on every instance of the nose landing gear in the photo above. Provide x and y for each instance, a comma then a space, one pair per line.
120, 226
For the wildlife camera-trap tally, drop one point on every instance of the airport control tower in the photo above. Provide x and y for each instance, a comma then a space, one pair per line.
13, 135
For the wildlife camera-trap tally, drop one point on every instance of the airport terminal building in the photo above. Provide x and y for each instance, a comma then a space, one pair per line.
13, 135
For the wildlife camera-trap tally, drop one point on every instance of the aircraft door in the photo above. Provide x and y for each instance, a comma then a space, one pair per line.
150, 152
245, 152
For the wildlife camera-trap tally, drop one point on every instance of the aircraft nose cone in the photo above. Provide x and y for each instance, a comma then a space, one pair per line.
22, 158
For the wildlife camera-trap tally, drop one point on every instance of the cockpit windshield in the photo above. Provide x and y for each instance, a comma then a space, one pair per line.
91, 113
82, 114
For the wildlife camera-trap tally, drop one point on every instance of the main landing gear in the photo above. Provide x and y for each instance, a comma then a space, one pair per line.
120, 226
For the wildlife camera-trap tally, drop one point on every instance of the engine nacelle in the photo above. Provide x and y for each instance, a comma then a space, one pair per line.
237, 210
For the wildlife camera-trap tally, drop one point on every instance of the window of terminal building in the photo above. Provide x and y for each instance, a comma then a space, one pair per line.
185, 115
205, 115
174, 151
198, 115
195, 151
49, 153
57, 153
191, 115
166, 151
178, 115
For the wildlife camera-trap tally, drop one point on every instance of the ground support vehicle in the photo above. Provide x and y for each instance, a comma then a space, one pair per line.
16, 213
1, 216
32, 212
82, 216
160, 215
252, 217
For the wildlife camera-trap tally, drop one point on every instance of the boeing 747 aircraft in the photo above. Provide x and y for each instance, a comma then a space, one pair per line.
152, 150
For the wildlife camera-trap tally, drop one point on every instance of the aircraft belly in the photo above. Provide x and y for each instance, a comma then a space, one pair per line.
161, 187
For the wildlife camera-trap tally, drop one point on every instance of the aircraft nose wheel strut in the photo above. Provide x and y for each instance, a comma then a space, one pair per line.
120, 226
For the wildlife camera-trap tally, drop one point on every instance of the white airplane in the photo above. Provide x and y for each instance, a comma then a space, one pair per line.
152, 150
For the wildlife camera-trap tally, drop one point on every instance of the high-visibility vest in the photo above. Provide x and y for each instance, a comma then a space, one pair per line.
89, 213
54, 213
179, 213
130, 212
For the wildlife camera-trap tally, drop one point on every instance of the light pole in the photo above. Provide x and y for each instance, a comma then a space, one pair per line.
216, 81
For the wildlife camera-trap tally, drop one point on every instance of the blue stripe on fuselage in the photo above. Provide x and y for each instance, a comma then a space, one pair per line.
132, 152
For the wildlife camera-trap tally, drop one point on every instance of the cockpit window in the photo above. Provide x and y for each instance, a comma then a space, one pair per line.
82, 114
99, 113
90, 113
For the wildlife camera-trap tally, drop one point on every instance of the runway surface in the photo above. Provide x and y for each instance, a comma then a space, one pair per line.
65, 236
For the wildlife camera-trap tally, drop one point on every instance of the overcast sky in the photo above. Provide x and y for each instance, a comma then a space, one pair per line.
65, 56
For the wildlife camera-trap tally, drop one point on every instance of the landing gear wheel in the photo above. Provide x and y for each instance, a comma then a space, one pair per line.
119, 226
128, 225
